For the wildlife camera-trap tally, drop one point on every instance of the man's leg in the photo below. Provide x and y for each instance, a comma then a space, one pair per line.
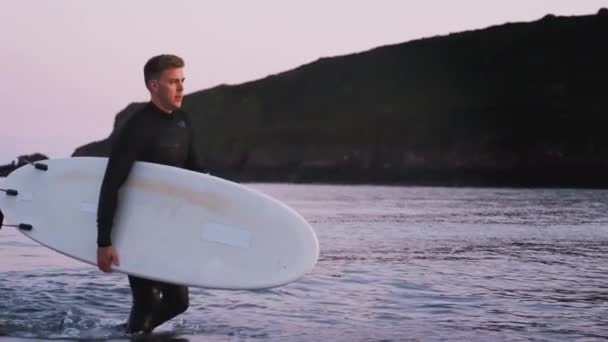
145, 297
154, 303
174, 301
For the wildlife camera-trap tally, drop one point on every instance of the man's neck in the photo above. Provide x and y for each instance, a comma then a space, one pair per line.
159, 106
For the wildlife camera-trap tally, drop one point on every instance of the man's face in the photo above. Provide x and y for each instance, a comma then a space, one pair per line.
169, 88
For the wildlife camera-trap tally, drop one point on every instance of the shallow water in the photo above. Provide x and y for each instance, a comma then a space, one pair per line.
397, 263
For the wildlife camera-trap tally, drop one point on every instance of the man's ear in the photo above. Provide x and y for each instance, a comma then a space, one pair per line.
153, 85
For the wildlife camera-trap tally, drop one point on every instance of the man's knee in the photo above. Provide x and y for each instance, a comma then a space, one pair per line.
182, 301
176, 299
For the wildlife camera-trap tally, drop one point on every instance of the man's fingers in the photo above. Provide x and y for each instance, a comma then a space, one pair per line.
106, 256
108, 264
104, 264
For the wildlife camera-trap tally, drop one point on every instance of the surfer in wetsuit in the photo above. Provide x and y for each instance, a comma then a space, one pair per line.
159, 133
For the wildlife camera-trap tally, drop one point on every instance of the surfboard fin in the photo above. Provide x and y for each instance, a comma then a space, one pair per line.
40, 166
10, 192
22, 226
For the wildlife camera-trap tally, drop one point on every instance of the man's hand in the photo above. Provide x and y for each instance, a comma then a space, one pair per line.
106, 256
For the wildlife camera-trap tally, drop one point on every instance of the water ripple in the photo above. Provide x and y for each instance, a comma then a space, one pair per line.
396, 264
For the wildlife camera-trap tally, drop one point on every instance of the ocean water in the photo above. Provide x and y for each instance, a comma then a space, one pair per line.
396, 264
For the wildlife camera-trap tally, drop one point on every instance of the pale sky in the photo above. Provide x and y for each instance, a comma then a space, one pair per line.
68, 66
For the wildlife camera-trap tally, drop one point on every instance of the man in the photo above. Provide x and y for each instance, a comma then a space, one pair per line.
158, 133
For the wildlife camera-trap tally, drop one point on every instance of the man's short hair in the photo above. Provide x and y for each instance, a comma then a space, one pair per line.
157, 64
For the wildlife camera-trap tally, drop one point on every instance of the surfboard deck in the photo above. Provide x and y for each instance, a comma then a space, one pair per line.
171, 225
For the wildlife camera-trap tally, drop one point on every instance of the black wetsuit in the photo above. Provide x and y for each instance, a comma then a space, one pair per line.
150, 135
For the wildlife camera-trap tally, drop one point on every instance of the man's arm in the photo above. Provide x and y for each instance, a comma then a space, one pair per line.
122, 157
194, 162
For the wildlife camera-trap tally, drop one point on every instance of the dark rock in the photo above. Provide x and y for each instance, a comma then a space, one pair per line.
102, 148
95, 149
549, 17
515, 104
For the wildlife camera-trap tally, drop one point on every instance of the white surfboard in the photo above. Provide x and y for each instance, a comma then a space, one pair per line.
171, 225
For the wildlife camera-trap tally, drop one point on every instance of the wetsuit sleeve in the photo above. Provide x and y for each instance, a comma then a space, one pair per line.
194, 162
122, 156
